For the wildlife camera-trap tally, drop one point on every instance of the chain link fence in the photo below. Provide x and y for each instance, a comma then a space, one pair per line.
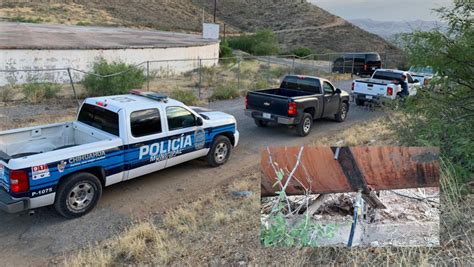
205, 79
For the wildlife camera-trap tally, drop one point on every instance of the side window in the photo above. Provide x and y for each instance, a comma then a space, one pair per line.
179, 118
409, 78
328, 89
145, 122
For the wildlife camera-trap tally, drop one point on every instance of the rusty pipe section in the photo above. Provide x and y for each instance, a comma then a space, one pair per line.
322, 170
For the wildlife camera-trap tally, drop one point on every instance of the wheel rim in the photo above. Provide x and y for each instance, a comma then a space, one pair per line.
220, 153
343, 112
306, 125
80, 197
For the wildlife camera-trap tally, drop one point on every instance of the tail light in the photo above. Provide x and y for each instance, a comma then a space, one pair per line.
19, 181
365, 66
389, 91
353, 86
292, 109
246, 102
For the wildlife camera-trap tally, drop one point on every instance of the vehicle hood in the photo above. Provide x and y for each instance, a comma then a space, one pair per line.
344, 93
214, 117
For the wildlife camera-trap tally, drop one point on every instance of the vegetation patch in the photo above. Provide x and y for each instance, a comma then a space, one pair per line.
262, 43
113, 78
35, 92
186, 96
229, 90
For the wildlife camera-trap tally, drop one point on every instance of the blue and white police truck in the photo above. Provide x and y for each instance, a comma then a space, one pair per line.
114, 139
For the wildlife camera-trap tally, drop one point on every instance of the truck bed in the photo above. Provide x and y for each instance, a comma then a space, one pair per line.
34, 140
274, 101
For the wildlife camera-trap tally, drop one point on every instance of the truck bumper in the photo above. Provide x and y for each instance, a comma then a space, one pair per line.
371, 98
12, 205
273, 118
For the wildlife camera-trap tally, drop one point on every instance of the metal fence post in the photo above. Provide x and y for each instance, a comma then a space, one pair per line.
200, 78
148, 75
352, 71
73, 88
238, 72
293, 65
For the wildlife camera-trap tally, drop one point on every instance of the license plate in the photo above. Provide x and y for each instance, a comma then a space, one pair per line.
368, 97
373, 68
267, 115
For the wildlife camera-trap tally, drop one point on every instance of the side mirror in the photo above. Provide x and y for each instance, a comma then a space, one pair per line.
199, 121
338, 91
416, 81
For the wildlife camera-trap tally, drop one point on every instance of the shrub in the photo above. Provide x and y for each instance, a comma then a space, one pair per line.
185, 96
225, 91
301, 52
132, 77
26, 20
35, 92
261, 84
225, 53
7, 93
263, 42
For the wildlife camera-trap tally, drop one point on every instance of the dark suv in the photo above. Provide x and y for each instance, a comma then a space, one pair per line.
357, 63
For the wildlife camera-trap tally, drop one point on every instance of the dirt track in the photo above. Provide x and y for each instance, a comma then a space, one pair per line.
27, 239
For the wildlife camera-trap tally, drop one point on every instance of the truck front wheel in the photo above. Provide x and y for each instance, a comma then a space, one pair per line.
305, 125
78, 195
220, 151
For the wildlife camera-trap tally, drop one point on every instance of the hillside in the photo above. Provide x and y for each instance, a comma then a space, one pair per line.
387, 29
297, 23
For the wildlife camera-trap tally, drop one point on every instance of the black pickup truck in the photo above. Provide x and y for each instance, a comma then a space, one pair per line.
298, 101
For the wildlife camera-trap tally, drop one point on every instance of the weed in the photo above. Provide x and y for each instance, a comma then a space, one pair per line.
185, 96
226, 91
35, 92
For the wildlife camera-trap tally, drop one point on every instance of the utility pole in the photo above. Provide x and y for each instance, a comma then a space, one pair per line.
215, 9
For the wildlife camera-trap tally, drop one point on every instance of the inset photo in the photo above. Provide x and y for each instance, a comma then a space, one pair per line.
350, 196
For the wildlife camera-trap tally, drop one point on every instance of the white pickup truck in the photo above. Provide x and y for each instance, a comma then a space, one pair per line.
114, 138
423, 74
383, 84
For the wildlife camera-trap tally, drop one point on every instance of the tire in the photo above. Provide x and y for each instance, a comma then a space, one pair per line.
79, 187
220, 151
261, 123
342, 114
305, 125
359, 102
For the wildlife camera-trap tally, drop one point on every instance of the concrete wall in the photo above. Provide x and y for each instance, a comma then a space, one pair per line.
182, 59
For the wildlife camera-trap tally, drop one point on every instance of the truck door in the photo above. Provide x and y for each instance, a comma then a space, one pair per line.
412, 86
147, 142
331, 100
186, 137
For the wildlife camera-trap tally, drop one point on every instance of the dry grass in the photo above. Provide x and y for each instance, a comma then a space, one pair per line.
368, 133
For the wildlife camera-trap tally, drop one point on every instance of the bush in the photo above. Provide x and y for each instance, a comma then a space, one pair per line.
35, 91
263, 42
225, 91
26, 20
225, 53
133, 77
261, 84
185, 96
301, 52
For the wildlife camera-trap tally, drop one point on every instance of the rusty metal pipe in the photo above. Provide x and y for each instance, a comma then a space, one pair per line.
355, 168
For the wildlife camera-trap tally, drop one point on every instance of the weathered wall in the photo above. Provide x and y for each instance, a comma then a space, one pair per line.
182, 59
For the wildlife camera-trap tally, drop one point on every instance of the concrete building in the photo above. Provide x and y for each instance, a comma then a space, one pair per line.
42, 46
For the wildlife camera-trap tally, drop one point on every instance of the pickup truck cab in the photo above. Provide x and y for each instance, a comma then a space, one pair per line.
384, 84
423, 74
114, 139
297, 102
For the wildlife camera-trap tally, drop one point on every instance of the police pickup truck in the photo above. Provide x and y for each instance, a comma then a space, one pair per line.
114, 138
383, 84
297, 102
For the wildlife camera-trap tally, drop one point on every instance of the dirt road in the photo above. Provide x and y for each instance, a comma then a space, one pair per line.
33, 239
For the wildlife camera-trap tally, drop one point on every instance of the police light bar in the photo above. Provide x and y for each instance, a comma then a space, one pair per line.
150, 95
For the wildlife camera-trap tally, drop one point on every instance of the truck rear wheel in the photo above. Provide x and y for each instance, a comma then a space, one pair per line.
342, 114
220, 151
261, 123
78, 195
305, 125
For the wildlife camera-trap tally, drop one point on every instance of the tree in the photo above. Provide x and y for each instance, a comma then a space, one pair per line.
442, 114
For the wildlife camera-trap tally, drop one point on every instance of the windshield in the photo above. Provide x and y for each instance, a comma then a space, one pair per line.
372, 57
386, 75
427, 70
301, 83
99, 118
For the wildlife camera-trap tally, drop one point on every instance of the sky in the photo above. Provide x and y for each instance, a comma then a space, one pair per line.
385, 10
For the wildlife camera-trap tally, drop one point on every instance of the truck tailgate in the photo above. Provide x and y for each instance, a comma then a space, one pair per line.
268, 103
370, 88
